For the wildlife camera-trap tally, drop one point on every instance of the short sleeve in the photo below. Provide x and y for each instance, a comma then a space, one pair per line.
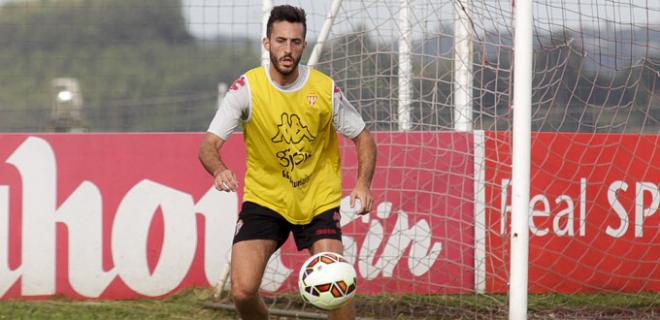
346, 119
234, 108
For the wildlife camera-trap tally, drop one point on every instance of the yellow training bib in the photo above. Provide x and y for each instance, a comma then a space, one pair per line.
293, 162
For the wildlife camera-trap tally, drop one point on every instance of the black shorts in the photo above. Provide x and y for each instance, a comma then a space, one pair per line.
257, 222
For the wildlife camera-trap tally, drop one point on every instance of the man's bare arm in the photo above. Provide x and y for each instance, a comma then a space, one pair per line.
209, 156
366, 151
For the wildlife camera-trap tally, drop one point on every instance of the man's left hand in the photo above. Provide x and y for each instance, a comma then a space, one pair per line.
362, 193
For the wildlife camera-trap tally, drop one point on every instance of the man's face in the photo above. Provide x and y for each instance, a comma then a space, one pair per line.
285, 45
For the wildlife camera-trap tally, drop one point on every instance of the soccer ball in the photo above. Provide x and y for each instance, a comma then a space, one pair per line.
327, 281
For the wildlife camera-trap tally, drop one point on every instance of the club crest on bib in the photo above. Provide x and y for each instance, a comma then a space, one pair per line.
312, 100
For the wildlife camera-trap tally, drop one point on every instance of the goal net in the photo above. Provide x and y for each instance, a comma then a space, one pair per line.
443, 187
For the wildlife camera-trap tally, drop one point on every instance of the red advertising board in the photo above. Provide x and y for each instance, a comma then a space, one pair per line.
121, 216
109, 215
594, 221
117, 216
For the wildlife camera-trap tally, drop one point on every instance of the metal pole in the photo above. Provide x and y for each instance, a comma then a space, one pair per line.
266, 6
405, 67
522, 105
325, 32
479, 211
462, 67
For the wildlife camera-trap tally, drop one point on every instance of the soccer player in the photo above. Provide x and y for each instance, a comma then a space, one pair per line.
290, 114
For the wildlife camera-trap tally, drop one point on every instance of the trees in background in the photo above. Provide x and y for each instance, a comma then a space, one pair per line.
138, 66
141, 70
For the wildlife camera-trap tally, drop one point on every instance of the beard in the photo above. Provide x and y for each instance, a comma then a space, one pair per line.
276, 63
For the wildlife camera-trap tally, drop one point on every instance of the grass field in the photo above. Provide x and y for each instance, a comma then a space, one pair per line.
192, 304
185, 305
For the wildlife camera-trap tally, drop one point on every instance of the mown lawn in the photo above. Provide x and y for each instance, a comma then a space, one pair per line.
194, 304
185, 305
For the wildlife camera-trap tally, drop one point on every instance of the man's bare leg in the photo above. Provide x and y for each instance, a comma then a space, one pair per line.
248, 262
347, 311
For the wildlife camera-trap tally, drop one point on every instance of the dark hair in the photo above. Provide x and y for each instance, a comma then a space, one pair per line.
286, 13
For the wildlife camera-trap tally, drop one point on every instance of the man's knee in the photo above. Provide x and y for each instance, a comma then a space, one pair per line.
244, 295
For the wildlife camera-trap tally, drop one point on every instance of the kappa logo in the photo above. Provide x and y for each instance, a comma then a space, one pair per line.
292, 130
238, 83
239, 224
337, 218
312, 100
336, 90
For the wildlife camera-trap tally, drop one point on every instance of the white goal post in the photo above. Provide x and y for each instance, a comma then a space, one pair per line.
521, 153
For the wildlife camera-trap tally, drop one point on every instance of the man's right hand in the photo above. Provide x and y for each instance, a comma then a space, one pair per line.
209, 154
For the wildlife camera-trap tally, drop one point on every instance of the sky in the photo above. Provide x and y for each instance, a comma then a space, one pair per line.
242, 18
208, 18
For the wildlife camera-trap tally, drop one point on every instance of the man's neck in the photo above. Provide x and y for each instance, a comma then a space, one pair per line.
281, 79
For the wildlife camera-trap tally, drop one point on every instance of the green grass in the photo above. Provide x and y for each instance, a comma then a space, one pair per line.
189, 304
600, 301
473, 306
185, 305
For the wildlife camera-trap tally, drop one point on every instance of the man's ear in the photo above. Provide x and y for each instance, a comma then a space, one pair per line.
266, 43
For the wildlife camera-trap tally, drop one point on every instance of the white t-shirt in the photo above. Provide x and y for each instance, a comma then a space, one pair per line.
236, 107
